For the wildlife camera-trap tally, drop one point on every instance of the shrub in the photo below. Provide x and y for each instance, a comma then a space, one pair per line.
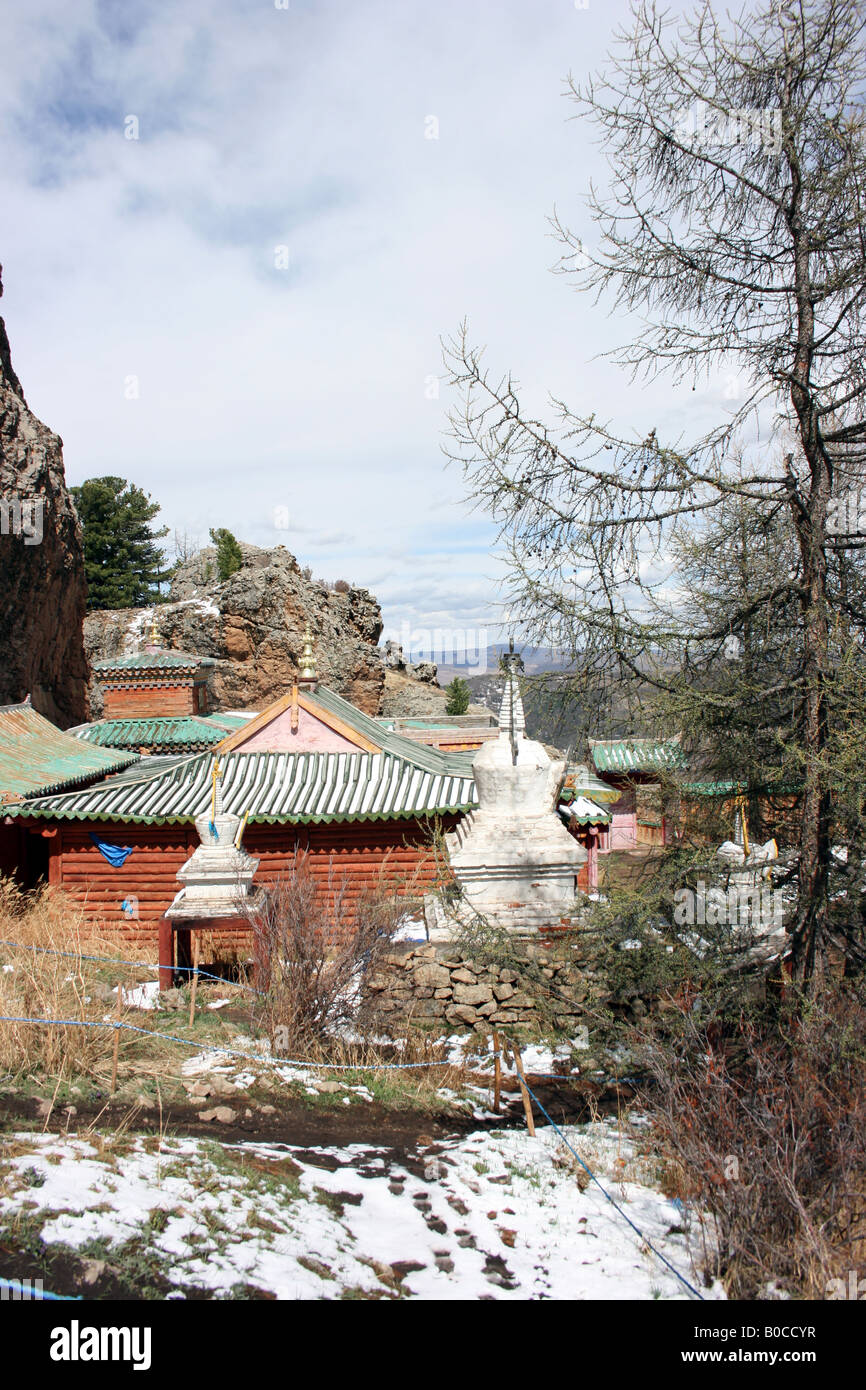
229, 556
312, 944
764, 1126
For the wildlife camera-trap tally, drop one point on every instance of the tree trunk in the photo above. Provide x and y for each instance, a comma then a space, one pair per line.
809, 928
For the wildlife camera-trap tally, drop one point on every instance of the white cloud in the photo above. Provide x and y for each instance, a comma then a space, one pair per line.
304, 388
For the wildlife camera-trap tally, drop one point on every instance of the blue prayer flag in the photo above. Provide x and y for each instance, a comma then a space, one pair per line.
116, 855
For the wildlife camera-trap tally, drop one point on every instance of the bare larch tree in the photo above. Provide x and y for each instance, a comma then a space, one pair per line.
734, 225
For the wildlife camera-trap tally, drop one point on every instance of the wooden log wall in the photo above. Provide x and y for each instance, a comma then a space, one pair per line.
357, 852
147, 702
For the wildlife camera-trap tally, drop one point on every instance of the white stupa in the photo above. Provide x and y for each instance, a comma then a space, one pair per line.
218, 876
513, 858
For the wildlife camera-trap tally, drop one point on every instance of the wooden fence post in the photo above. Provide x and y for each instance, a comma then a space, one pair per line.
166, 953
114, 1056
527, 1107
195, 946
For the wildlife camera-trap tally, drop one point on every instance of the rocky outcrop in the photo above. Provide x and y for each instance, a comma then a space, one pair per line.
42, 585
408, 697
424, 671
252, 624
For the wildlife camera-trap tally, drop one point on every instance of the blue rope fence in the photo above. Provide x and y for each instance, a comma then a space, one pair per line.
27, 1294
222, 1050
665, 1261
138, 964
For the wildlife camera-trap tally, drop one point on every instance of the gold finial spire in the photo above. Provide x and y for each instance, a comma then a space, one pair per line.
216, 805
308, 676
154, 634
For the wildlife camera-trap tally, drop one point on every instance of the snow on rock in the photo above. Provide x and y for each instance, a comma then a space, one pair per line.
142, 996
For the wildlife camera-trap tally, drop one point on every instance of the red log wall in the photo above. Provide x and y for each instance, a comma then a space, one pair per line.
357, 850
147, 702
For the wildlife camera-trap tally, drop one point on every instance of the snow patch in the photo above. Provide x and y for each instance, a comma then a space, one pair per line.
495, 1215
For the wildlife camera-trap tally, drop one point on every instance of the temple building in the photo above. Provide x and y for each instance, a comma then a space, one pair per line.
37, 758
157, 701
585, 806
108, 811
636, 769
453, 733
310, 773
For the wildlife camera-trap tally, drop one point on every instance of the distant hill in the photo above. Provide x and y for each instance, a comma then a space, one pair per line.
556, 715
535, 660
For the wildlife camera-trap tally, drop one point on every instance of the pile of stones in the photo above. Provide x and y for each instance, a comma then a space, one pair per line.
430, 984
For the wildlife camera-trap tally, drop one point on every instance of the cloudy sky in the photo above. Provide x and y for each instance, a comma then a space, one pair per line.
241, 309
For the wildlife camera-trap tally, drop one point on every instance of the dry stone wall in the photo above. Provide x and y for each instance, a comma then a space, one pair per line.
430, 985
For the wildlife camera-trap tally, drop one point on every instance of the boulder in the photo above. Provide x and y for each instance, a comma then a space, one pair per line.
472, 994
223, 1114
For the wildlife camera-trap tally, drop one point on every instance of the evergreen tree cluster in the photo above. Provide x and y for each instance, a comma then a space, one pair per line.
124, 564
123, 561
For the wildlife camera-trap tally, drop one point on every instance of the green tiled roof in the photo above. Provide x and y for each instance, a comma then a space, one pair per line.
584, 811
725, 788
582, 781
153, 661
297, 788
731, 788
635, 754
168, 733
35, 756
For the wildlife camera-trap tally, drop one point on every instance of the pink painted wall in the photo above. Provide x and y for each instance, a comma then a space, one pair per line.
313, 736
623, 830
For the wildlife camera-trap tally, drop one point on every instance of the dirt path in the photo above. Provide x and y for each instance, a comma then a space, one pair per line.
302, 1125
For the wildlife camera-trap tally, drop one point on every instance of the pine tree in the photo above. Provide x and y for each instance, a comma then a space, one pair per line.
122, 561
229, 557
458, 696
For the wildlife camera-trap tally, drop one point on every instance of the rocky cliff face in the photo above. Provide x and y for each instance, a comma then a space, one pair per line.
42, 584
253, 624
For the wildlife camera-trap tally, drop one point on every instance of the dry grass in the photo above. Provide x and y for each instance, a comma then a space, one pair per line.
311, 978
375, 1065
40, 984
